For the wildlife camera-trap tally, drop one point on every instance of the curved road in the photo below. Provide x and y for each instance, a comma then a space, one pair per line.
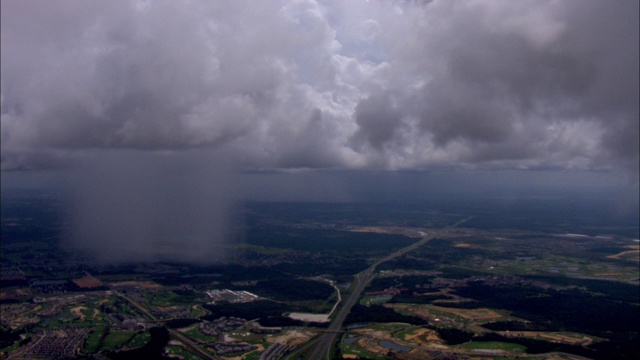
324, 346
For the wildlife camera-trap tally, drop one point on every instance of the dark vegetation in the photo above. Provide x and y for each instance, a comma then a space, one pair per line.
8, 338
180, 323
619, 346
516, 326
405, 298
376, 313
39, 216
611, 290
454, 336
269, 313
409, 264
338, 266
439, 213
225, 275
293, 289
573, 309
586, 215
325, 240
152, 350
408, 282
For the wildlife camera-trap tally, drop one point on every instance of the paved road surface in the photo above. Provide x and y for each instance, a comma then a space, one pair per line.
173, 333
324, 347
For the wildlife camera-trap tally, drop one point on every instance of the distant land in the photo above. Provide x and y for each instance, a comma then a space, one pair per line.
467, 277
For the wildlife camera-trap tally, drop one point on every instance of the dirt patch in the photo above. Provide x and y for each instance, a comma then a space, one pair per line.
293, 337
77, 311
319, 318
371, 229
423, 336
138, 284
167, 309
10, 294
87, 282
626, 255
188, 328
563, 338
471, 314
462, 245
420, 311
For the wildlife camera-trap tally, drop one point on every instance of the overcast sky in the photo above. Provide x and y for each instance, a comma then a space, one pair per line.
166, 112
382, 85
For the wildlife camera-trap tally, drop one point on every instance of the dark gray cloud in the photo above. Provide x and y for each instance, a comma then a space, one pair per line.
307, 84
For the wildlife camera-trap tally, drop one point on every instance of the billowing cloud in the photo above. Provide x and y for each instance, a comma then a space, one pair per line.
304, 84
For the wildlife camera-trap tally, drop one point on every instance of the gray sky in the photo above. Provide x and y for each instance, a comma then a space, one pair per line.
381, 85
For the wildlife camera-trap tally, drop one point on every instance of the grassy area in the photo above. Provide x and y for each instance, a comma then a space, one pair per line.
375, 299
160, 298
139, 340
123, 308
353, 349
92, 342
116, 339
252, 356
195, 333
16, 345
184, 354
492, 345
389, 326
313, 306
448, 315
196, 312
402, 334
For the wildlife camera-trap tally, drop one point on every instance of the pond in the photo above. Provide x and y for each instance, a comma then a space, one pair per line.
393, 346
351, 340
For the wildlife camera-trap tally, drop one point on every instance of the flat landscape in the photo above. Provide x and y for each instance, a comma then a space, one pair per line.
394, 281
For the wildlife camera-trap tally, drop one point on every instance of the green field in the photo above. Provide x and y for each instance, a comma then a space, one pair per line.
492, 345
93, 341
116, 339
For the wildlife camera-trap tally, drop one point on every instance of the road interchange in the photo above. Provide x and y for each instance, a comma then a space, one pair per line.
324, 346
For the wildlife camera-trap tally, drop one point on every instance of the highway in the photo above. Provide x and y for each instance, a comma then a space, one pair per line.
173, 333
324, 346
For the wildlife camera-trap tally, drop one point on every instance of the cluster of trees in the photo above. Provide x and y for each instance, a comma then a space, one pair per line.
573, 309
152, 350
269, 313
377, 313
293, 289
325, 240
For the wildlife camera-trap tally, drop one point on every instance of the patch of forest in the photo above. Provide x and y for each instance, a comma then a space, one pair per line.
572, 309
325, 240
269, 313
377, 313
293, 289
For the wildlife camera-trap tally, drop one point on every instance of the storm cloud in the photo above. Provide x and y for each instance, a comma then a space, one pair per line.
295, 84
